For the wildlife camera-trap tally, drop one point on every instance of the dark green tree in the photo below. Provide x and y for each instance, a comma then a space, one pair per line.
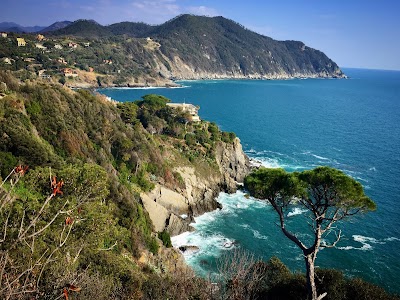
328, 195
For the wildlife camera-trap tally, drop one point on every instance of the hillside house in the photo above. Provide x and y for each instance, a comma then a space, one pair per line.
40, 46
61, 60
40, 37
21, 42
8, 60
87, 44
68, 72
42, 74
3, 34
58, 46
72, 45
189, 108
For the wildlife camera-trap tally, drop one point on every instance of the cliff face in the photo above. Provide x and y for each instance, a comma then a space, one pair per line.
174, 211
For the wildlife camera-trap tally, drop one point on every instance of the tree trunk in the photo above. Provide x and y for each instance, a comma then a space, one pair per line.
311, 287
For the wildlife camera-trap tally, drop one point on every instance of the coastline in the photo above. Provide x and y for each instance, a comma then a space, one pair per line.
173, 82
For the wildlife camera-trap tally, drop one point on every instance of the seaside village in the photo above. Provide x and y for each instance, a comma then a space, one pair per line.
44, 57
74, 62
31, 54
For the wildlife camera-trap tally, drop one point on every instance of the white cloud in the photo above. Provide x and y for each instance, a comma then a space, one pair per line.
202, 10
157, 7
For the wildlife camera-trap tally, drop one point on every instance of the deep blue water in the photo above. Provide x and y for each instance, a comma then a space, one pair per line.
353, 125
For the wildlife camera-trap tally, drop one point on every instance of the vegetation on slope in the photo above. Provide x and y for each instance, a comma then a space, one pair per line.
104, 156
139, 54
72, 223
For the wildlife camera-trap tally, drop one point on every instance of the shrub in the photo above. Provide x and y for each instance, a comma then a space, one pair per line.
165, 238
152, 245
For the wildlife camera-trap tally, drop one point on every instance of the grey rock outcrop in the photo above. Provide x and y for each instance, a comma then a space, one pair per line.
173, 211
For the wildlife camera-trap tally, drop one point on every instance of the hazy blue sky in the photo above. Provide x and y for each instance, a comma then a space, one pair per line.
354, 33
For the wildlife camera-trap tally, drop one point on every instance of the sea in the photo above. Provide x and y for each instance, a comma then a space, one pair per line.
351, 124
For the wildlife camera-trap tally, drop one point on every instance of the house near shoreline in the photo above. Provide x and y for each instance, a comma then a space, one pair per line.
4, 34
189, 108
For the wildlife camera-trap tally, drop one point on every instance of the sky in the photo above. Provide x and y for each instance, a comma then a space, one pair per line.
353, 33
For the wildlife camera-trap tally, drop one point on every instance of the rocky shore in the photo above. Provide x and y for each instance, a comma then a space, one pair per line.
174, 211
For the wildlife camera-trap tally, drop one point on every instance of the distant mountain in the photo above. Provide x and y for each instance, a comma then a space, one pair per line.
221, 46
131, 29
14, 27
190, 47
5, 25
57, 26
84, 28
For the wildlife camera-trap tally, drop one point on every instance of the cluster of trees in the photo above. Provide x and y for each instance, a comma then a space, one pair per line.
197, 139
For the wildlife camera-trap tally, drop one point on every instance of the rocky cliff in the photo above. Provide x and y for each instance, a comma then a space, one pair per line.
174, 211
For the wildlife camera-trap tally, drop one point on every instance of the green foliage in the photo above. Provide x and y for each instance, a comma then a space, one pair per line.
327, 194
277, 282
128, 112
228, 137
266, 183
165, 238
358, 289
153, 101
7, 163
153, 245
62, 80
349, 192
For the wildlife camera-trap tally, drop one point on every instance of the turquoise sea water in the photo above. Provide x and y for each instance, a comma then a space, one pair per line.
353, 125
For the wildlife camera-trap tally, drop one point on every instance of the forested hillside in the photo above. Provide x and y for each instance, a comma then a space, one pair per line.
137, 54
73, 166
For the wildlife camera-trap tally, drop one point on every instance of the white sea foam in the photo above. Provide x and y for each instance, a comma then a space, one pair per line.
259, 236
366, 242
138, 88
392, 239
372, 169
269, 162
364, 239
319, 157
210, 244
296, 211
245, 226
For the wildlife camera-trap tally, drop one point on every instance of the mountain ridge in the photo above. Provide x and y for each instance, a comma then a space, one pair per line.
215, 47
14, 27
187, 47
